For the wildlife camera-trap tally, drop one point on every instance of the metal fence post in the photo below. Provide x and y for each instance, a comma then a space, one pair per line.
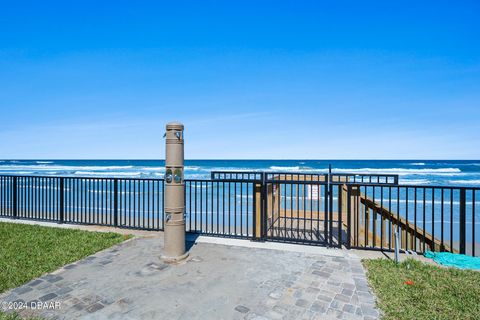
462, 221
115, 202
14, 196
62, 199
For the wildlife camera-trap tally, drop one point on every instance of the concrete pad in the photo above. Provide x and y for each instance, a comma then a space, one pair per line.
218, 281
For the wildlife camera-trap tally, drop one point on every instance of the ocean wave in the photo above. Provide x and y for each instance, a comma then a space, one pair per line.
152, 169
455, 164
399, 171
187, 168
44, 162
279, 168
17, 172
417, 163
464, 181
113, 173
61, 168
415, 181
233, 169
402, 170
194, 168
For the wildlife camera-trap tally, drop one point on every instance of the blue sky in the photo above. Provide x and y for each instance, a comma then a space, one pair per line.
251, 79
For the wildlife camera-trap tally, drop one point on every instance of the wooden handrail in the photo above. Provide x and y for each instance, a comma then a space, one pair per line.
415, 232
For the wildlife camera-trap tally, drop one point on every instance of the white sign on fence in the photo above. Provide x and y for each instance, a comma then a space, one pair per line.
312, 192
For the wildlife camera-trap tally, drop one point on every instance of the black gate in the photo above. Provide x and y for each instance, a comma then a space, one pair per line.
299, 207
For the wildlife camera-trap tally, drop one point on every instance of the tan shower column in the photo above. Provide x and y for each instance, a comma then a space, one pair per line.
174, 236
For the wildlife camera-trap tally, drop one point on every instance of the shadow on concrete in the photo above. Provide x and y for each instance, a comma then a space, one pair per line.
191, 238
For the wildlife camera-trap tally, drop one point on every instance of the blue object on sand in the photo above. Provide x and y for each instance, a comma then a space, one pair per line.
454, 260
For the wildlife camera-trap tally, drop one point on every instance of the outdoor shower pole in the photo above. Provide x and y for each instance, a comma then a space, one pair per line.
174, 236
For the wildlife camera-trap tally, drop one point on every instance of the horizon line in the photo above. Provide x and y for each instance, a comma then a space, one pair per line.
237, 159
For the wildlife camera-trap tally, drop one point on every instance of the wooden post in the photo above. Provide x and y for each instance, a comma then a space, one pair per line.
350, 206
382, 232
258, 211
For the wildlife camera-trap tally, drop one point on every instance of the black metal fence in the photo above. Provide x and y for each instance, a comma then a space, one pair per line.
321, 209
437, 218
127, 203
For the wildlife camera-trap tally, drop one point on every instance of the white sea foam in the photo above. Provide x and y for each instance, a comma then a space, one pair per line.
17, 172
296, 168
44, 162
399, 171
152, 168
194, 168
417, 163
415, 181
232, 169
464, 181
61, 168
113, 173
187, 168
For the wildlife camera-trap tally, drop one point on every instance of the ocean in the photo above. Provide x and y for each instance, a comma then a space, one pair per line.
411, 172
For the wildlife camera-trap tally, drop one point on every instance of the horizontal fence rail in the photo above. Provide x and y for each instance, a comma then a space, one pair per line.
354, 211
283, 176
365, 178
333, 177
236, 175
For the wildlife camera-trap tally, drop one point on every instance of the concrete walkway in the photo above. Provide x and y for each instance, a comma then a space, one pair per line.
218, 281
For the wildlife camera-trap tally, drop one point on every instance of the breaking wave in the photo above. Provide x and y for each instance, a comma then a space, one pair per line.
465, 181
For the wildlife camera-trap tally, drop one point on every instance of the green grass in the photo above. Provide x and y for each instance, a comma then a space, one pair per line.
436, 292
29, 251
15, 316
